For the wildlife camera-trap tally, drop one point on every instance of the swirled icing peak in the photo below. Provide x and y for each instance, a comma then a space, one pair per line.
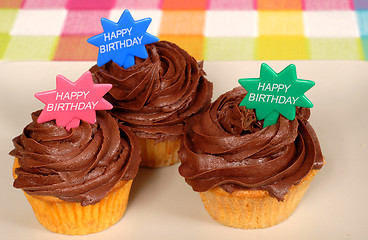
80, 165
226, 146
157, 94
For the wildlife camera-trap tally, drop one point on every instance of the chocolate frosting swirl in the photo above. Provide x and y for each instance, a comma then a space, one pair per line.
157, 94
226, 146
80, 165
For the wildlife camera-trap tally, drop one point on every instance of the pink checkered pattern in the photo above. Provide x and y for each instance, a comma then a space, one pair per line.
207, 29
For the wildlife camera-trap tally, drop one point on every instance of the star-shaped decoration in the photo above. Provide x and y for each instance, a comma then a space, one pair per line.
123, 40
71, 102
274, 93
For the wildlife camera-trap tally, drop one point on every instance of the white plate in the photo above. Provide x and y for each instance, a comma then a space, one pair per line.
163, 206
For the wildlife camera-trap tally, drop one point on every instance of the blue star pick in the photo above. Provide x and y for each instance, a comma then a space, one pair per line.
123, 40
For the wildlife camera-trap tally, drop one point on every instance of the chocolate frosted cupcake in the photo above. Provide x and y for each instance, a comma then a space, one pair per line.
248, 176
155, 96
76, 181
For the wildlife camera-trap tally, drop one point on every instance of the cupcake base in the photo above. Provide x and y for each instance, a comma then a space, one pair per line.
253, 209
74, 219
158, 154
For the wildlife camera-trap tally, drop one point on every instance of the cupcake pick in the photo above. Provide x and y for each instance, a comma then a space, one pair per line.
71, 102
123, 40
274, 93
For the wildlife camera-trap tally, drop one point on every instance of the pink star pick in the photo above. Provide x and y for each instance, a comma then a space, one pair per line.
71, 102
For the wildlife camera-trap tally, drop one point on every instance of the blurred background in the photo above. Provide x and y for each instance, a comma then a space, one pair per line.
56, 30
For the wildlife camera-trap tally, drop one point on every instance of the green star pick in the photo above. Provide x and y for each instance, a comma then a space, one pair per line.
274, 93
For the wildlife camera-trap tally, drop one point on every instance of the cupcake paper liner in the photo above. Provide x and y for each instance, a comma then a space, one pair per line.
253, 209
73, 219
159, 154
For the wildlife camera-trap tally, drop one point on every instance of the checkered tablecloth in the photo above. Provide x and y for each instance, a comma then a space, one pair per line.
57, 30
